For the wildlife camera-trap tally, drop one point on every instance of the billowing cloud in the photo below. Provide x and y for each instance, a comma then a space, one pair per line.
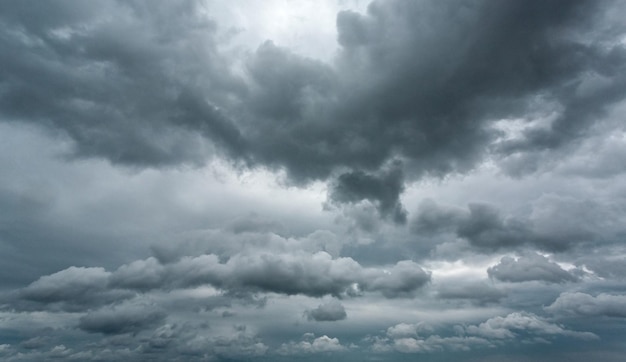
555, 223
403, 330
298, 113
583, 304
327, 312
209, 180
513, 325
313, 275
383, 190
530, 267
75, 288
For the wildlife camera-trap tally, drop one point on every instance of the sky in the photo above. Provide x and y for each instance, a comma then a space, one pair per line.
344, 180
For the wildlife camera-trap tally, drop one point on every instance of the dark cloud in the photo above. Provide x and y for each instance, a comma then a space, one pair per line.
530, 267
555, 224
445, 100
121, 319
482, 225
583, 304
150, 86
485, 227
327, 312
383, 190
122, 89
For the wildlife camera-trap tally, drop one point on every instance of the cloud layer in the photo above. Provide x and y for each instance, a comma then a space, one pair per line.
345, 180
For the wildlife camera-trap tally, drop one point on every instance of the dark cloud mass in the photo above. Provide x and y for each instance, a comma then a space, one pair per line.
147, 88
341, 180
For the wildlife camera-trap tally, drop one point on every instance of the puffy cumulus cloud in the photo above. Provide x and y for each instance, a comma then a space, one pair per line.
122, 319
403, 330
555, 223
327, 312
530, 267
314, 275
577, 303
72, 289
296, 273
401, 280
518, 324
229, 241
310, 344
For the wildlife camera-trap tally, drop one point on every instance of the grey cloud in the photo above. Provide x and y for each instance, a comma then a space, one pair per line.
121, 319
604, 265
556, 223
140, 275
150, 86
121, 89
479, 292
431, 344
383, 190
530, 267
72, 289
404, 330
256, 224
296, 273
482, 225
286, 85
188, 342
577, 303
327, 312
433, 218
486, 228
513, 325
401, 280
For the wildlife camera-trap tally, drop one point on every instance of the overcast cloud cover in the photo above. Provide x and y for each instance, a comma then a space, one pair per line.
301, 180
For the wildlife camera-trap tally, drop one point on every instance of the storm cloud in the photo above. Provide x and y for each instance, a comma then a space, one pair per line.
146, 94
338, 180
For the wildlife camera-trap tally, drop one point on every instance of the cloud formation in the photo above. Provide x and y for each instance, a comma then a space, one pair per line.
311, 118
327, 312
583, 304
530, 267
205, 180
